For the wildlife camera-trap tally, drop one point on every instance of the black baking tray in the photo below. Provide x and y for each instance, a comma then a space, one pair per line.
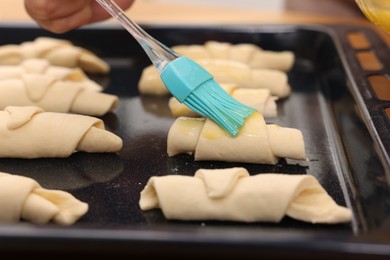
344, 127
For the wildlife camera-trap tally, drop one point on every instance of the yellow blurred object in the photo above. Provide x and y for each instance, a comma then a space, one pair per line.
377, 11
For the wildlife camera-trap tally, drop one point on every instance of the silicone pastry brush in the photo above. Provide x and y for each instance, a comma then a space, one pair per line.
186, 80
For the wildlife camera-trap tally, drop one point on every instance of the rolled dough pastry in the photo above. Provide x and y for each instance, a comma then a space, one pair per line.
23, 198
58, 52
45, 91
42, 66
260, 99
30, 132
247, 53
232, 194
224, 72
256, 142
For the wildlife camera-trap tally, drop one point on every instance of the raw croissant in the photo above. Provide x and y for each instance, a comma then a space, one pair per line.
232, 194
42, 66
224, 71
247, 53
58, 52
260, 99
256, 142
33, 89
30, 132
23, 198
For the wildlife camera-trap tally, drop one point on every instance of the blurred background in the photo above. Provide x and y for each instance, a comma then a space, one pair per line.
324, 7
14, 9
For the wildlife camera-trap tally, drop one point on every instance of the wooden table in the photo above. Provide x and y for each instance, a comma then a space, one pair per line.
165, 13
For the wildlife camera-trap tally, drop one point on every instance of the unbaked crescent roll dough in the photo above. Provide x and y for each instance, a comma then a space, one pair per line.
224, 71
30, 132
23, 198
260, 99
233, 195
33, 89
58, 52
256, 142
247, 53
42, 66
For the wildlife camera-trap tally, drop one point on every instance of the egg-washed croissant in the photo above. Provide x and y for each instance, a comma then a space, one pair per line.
260, 99
233, 195
59, 52
257, 142
247, 53
53, 95
224, 72
30, 132
42, 66
22, 198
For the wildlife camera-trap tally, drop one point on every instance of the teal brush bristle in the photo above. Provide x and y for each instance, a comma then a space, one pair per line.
195, 87
185, 79
211, 101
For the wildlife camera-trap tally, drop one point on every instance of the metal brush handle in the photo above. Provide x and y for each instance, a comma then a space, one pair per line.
158, 53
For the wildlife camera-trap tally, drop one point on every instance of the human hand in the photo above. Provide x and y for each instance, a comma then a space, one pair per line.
60, 16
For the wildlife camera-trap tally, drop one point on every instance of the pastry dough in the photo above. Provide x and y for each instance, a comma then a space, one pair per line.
256, 142
247, 53
232, 194
58, 52
23, 198
224, 72
30, 132
33, 89
42, 66
260, 99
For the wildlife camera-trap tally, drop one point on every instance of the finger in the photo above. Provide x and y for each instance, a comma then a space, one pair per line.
59, 15
67, 23
53, 9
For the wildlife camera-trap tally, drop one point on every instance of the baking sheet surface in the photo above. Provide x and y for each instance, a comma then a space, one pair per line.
341, 153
